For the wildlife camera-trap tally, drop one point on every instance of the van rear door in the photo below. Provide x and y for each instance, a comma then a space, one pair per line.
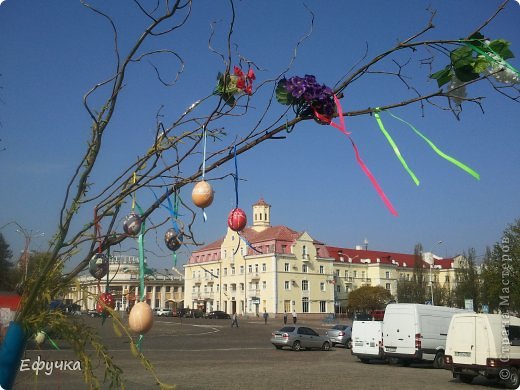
366, 338
399, 331
462, 340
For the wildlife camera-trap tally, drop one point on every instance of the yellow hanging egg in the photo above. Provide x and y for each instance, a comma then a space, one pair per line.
202, 194
140, 319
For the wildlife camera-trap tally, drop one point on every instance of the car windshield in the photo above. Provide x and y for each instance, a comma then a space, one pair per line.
287, 329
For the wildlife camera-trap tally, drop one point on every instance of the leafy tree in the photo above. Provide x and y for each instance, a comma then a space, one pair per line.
368, 298
413, 290
468, 282
501, 270
6, 267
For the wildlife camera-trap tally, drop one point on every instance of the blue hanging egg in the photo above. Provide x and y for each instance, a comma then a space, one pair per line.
98, 265
132, 224
173, 239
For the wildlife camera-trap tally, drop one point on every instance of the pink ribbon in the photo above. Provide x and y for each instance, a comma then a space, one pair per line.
341, 127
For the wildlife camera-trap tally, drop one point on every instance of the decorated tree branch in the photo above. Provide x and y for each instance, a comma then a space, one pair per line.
95, 217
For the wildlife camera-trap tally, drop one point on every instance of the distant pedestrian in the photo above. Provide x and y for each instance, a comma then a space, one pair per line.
285, 318
294, 316
266, 316
235, 320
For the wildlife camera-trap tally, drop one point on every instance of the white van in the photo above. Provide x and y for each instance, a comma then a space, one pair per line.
367, 340
484, 344
415, 333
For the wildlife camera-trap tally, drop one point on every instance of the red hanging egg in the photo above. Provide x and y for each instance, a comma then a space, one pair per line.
202, 194
105, 300
237, 220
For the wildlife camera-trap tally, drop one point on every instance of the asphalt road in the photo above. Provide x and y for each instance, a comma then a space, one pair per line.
209, 354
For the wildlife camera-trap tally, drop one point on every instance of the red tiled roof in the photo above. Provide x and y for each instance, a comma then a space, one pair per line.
384, 257
261, 202
278, 233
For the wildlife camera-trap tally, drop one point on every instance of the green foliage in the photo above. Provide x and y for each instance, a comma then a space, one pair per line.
469, 61
368, 298
282, 95
468, 282
9, 274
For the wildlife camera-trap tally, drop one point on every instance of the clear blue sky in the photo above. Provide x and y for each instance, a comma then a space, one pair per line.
52, 52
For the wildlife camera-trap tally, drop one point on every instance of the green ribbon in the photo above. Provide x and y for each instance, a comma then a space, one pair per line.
459, 164
51, 341
140, 241
485, 54
394, 147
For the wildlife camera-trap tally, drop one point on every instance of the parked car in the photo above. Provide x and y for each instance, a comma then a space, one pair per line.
299, 337
367, 340
484, 344
219, 314
162, 312
340, 334
362, 317
193, 313
416, 333
377, 315
93, 313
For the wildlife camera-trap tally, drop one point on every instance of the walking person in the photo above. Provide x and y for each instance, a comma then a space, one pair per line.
294, 316
266, 316
285, 318
235, 320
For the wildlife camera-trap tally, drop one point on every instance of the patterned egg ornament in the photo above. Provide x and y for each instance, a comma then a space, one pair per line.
173, 239
132, 224
140, 319
202, 194
237, 220
105, 299
98, 266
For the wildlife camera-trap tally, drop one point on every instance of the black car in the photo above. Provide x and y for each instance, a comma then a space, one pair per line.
219, 314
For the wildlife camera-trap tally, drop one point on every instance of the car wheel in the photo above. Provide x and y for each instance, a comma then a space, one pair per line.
514, 380
325, 346
438, 362
466, 378
296, 346
348, 345
364, 360
278, 346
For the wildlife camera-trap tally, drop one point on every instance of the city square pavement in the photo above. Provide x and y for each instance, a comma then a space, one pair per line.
198, 353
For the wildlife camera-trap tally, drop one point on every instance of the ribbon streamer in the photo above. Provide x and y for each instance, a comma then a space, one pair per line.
51, 341
454, 161
341, 127
394, 147
502, 61
142, 294
235, 177
174, 214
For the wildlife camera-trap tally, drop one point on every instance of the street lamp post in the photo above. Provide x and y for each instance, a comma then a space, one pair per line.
431, 266
28, 235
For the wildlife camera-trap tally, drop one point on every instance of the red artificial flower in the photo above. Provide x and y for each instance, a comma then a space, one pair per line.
241, 83
251, 74
249, 89
238, 72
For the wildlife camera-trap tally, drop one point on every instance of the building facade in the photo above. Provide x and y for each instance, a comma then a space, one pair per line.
277, 269
163, 290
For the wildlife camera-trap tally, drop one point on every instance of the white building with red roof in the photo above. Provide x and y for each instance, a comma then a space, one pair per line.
277, 269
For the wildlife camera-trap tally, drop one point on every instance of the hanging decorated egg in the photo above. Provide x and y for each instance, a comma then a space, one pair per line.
140, 319
39, 337
173, 239
105, 300
237, 220
202, 194
132, 224
98, 266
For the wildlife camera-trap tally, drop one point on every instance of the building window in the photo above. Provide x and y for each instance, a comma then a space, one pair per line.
304, 251
447, 279
305, 305
323, 306
346, 274
305, 285
387, 286
284, 248
338, 288
232, 270
225, 271
168, 288
286, 267
355, 274
287, 285
322, 286
241, 286
264, 285
225, 253
256, 268
241, 270
322, 269
149, 289
387, 274
250, 268
305, 268
225, 287
264, 267
336, 272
